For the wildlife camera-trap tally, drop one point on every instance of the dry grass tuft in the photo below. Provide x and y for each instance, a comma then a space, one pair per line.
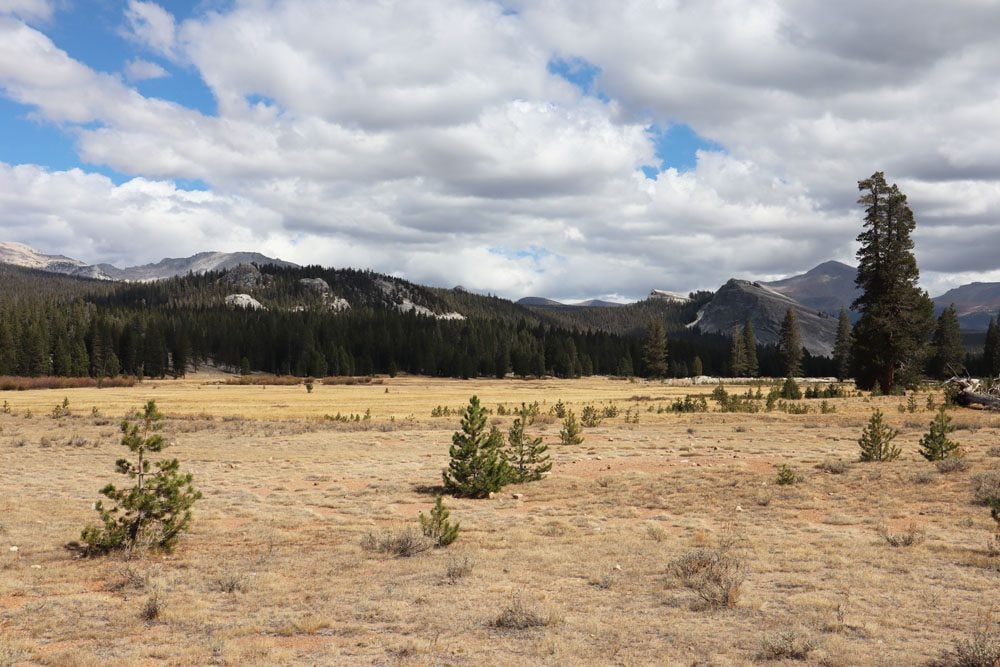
787, 645
403, 543
986, 485
715, 574
954, 464
518, 615
909, 536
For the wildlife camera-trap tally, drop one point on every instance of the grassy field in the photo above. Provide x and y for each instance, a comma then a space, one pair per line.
274, 571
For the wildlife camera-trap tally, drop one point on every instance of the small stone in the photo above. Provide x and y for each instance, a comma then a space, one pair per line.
36, 567
739, 509
13, 549
618, 567
517, 496
492, 495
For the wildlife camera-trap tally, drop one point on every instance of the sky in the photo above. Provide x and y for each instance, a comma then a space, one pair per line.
562, 148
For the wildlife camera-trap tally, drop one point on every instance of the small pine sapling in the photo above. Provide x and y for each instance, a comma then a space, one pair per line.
876, 440
527, 456
158, 508
437, 527
590, 417
478, 466
572, 432
935, 444
61, 410
786, 475
559, 409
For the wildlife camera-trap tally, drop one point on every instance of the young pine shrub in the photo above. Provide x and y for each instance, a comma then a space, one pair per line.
935, 444
61, 410
526, 456
876, 440
572, 432
590, 417
478, 466
790, 389
786, 475
437, 527
157, 509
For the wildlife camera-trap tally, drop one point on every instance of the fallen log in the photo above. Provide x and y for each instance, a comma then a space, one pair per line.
968, 394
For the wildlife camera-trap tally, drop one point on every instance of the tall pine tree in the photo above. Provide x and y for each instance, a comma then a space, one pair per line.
654, 352
750, 344
991, 350
947, 348
790, 345
842, 346
738, 356
896, 315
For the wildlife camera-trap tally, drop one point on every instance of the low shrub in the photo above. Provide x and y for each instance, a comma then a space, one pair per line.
908, 537
716, 575
519, 616
946, 466
834, 466
787, 645
399, 544
980, 649
986, 485
458, 568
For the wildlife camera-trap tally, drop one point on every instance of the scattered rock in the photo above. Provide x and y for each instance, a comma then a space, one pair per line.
517, 496
244, 301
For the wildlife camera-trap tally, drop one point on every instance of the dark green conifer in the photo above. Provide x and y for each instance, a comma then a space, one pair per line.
158, 508
896, 315
654, 351
842, 346
750, 345
527, 456
477, 466
991, 350
790, 345
947, 348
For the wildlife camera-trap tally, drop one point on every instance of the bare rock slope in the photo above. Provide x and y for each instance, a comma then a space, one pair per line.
740, 300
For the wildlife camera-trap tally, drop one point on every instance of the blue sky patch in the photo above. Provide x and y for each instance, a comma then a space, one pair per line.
677, 147
535, 253
24, 140
580, 73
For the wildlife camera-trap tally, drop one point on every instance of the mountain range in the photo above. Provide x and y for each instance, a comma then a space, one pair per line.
816, 296
19, 254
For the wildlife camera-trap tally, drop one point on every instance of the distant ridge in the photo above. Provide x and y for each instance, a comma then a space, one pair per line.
19, 254
542, 302
826, 288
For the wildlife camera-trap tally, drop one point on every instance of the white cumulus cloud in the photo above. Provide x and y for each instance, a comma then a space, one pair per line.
431, 140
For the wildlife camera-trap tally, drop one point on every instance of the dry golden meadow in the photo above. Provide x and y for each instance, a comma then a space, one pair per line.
274, 572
